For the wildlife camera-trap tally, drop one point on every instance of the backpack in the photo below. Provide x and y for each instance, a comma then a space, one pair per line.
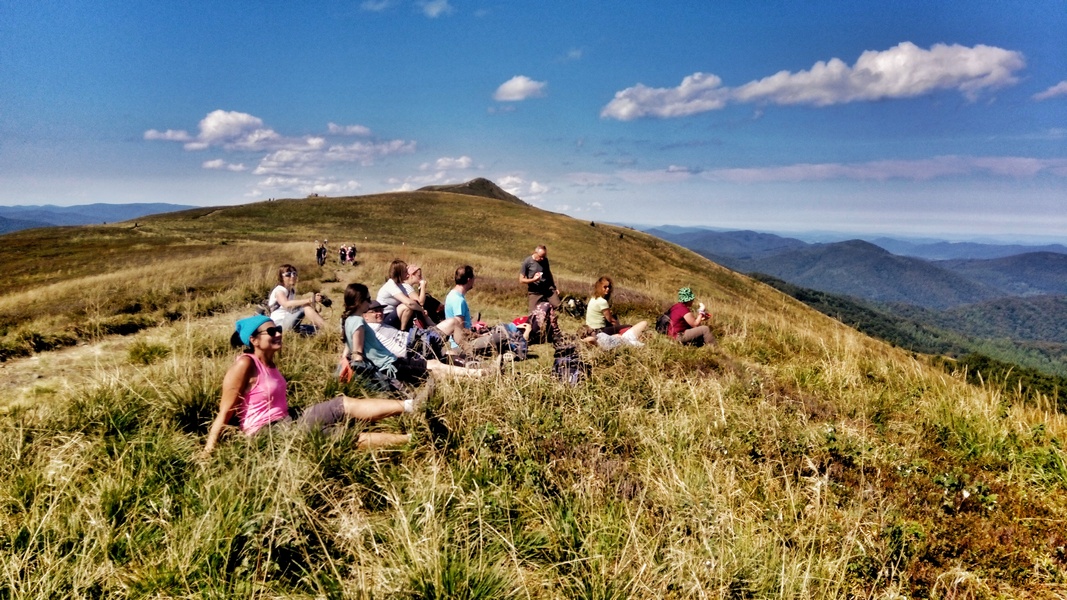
517, 344
663, 323
568, 366
573, 306
544, 326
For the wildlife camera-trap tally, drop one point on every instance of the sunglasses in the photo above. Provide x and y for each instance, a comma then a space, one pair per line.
271, 331
289, 274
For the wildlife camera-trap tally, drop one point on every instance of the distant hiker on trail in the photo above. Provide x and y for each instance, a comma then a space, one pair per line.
320, 253
537, 275
351, 254
342, 254
400, 308
255, 392
286, 310
367, 353
686, 327
598, 314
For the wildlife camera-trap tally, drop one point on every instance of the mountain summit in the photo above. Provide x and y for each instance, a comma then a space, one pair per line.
476, 187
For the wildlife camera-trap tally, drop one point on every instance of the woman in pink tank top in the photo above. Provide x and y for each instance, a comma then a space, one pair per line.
254, 390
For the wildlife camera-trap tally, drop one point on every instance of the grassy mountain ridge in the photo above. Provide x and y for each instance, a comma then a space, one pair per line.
798, 458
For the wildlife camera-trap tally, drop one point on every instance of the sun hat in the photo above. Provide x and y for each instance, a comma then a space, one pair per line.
247, 326
375, 305
685, 294
412, 269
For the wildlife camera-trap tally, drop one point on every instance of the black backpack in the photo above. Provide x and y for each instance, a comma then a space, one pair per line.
663, 323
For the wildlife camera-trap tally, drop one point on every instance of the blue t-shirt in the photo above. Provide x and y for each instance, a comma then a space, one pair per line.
456, 306
373, 349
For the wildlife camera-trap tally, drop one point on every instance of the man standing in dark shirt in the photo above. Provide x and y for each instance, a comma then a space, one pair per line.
537, 275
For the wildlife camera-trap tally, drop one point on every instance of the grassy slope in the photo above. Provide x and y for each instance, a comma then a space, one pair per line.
798, 459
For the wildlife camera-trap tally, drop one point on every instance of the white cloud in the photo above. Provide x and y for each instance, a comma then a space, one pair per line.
904, 71
233, 129
296, 165
375, 5
300, 187
527, 190
700, 92
669, 175
519, 87
435, 8
359, 130
1060, 89
169, 135
573, 54
914, 170
310, 160
446, 163
222, 165
229, 129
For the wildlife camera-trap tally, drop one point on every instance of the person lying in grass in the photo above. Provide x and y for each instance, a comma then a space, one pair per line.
254, 390
364, 349
631, 336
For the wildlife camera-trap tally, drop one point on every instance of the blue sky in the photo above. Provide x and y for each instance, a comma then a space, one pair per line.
910, 118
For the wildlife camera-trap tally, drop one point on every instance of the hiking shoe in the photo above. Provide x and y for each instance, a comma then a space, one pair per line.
423, 394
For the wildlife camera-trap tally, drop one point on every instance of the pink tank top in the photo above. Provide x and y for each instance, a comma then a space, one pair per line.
264, 402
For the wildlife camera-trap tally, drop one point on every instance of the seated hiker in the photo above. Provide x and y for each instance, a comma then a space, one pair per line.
598, 313
610, 341
364, 349
400, 308
479, 342
254, 391
286, 310
425, 343
536, 273
687, 327
415, 286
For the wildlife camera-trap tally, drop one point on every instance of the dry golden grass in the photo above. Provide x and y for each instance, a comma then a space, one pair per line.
799, 459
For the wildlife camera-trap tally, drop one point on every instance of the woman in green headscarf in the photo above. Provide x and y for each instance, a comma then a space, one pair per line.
688, 327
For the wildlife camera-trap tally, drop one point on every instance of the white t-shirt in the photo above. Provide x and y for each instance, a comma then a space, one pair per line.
386, 296
277, 311
392, 338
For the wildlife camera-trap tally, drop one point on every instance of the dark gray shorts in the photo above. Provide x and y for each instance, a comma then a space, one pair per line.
324, 414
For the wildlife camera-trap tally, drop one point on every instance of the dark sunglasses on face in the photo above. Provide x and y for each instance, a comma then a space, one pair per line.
271, 331
290, 274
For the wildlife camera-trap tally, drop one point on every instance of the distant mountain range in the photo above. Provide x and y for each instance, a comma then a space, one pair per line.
864, 270
1011, 306
15, 218
961, 250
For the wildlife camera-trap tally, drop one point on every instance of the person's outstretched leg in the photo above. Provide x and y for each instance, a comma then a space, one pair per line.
372, 409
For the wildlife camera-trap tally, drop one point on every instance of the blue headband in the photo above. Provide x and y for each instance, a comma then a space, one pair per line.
247, 326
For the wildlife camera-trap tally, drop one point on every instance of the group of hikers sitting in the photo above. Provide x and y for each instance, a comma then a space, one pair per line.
399, 339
